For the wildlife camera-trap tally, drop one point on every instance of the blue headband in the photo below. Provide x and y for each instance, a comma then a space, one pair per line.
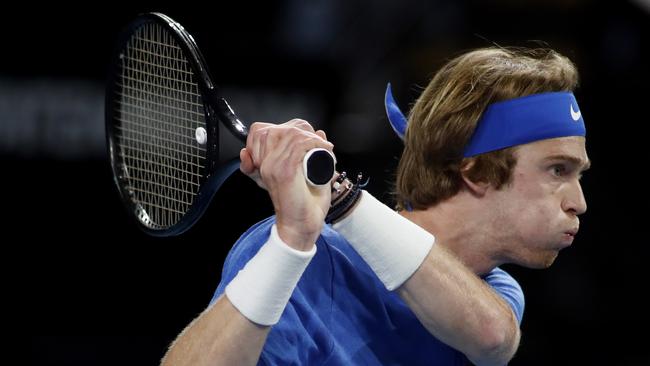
395, 116
512, 122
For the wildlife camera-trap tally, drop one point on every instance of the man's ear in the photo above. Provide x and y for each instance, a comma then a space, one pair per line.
476, 187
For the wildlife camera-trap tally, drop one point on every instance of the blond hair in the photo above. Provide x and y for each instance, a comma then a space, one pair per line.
445, 115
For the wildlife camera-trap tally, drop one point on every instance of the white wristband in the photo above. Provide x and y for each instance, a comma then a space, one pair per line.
261, 290
393, 246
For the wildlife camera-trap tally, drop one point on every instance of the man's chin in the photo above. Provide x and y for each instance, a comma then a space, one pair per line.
542, 262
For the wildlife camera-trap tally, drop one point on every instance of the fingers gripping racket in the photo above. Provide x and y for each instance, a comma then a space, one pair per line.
172, 138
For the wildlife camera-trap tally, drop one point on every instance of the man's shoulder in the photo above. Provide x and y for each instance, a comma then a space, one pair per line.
509, 289
250, 242
253, 238
498, 274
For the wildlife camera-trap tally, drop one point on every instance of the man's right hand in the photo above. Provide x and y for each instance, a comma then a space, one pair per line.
273, 158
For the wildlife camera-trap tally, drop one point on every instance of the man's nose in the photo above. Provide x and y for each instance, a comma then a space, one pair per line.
574, 201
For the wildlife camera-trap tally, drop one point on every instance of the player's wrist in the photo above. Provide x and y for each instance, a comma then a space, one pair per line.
297, 239
393, 246
262, 289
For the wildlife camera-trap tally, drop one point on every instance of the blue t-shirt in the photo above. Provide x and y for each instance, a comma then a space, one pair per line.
341, 314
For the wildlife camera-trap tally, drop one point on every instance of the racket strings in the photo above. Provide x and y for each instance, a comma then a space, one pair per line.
160, 108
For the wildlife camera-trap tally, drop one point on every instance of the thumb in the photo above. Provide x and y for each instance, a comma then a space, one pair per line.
246, 166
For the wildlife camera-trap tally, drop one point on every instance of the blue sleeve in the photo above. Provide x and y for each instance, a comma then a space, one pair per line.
509, 289
244, 249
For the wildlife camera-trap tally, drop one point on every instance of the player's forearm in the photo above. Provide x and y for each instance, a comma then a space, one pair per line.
458, 308
454, 304
234, 329
221, 335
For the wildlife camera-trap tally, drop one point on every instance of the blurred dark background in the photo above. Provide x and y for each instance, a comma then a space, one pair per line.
100, 292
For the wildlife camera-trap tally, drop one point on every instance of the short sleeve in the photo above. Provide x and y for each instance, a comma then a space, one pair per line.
244, 249
508, 288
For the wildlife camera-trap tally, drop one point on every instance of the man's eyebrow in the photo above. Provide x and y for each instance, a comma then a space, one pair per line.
572, 159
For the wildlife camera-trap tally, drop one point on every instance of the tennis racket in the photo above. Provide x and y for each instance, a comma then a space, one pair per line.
172, 138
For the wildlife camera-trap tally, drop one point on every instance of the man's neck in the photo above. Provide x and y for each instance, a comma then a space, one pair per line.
457, 226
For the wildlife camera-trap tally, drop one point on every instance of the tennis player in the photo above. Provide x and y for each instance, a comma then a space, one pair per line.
490, 174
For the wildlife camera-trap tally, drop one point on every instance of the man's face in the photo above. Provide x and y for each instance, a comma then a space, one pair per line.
538, 212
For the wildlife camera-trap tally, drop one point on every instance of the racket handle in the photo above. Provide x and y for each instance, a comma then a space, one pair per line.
318, 166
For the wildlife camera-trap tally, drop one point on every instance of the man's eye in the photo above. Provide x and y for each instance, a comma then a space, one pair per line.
559, 170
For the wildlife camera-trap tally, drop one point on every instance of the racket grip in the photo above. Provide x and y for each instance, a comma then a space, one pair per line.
318, 166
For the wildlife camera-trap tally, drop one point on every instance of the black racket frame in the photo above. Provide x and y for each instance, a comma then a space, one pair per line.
218, 114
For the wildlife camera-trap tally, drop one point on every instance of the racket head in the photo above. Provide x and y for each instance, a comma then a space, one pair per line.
164, 126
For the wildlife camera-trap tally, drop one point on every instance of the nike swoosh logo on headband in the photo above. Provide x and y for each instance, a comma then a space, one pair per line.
575, 115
